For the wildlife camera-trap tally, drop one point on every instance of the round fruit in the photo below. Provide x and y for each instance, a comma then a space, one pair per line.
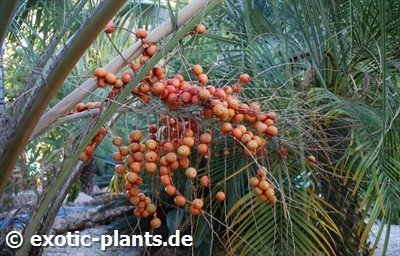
183, 151
151, 209
136, 135
263, 185
197, 69
220, 196
203, 79
188, 141
98, 138
124, 150
166, 180
194, 210
84, 157
205, 138
151, 144
168, 147
100, 72
141, 33
226, 127
155, 222
254, 181
101, 131
135, 147
138, 156
136, 167
205, 181
258, 191
119, 168
110, 78
202, 149
252, 144
110, 27
170, 190
271, 115
117, 156
171, 157
200, 29
311, 159
117, 141
269, 193
150, 167
164, 170
198, 203
151, 50
191, 173
244, 78
151, 156
272, 130
89, 150
131, 177
180, 201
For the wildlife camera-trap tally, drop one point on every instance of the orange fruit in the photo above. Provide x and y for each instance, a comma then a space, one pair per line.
170, 190
203, 79
155, 222
183, 150
202, 149
200, 29
205, 138
166, 180
117, 141
198, 203
220, 196
141, 33
254, 181
136, 135
117, 156
151, 144
191, 173
131, 177
124, 150
180, 200
109, 27
171, 157
194, 210
150, 167
244, 78
205, 181
151, 156
197, 69
263, 185
100, 72
272, 130
119, 168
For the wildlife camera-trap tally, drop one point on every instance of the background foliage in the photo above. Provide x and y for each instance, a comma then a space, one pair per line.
330, 69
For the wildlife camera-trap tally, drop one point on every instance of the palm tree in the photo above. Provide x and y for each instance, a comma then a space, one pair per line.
330, 71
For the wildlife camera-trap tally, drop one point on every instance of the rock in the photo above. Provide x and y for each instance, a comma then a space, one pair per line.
60, 225
26, 200
83, 199
76, 220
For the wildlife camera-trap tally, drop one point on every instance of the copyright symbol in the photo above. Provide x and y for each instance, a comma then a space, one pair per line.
14, 239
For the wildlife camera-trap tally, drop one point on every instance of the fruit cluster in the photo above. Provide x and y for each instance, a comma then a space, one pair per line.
172, 145
89, 150
134, 157
263, 188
